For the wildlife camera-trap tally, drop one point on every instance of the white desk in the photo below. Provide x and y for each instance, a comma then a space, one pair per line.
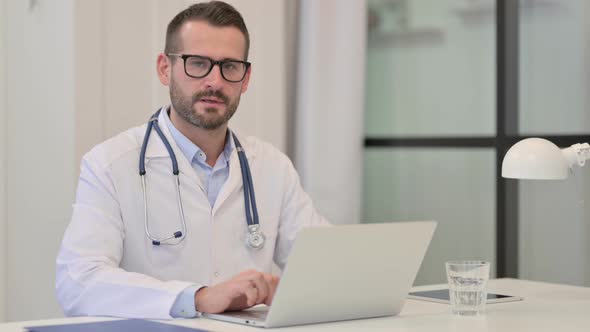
546, 307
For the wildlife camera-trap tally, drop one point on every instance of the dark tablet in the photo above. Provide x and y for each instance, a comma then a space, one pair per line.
442, 296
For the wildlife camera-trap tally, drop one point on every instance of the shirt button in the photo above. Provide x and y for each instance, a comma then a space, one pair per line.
216, 274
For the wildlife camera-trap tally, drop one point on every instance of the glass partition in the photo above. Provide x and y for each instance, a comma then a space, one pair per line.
455, 187
554, 67
431, 77
554, 216
430, 69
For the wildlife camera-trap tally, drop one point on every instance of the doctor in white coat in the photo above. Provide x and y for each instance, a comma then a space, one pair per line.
108, 265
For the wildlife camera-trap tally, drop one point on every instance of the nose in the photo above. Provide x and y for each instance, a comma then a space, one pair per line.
214, 79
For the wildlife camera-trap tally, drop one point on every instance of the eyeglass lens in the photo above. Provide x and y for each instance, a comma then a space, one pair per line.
233, 71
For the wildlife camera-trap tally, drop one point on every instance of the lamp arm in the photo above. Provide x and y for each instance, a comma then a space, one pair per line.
577, 154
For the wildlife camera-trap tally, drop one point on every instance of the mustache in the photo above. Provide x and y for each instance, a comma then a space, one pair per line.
217, 94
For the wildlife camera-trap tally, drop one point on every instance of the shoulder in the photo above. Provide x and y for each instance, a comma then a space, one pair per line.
118, 147
265, 151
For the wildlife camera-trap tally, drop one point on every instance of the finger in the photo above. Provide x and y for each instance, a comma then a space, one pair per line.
246, 275
238, 303
261, 285
272, 282
251, 292
258, 280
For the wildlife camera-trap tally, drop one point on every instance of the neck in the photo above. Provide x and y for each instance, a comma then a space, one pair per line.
211, 142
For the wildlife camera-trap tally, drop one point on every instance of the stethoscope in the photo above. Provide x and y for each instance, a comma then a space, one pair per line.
255, 238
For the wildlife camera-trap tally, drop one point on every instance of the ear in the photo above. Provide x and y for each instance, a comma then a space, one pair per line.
164, 68
246, 80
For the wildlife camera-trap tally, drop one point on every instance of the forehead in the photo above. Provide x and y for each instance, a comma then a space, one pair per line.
199, 37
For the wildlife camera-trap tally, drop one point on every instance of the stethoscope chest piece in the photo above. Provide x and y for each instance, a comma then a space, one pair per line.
255, 238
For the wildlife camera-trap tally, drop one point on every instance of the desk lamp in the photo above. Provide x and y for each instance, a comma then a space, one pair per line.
539, 159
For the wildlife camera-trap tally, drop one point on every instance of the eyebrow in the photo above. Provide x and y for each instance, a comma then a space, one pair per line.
223, 59
230, 59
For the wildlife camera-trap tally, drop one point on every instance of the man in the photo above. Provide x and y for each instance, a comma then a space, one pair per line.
118, 258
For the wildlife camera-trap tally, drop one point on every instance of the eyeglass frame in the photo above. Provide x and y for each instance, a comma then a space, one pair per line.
213, 63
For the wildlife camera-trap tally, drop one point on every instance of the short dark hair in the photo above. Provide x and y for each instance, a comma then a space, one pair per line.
215, 13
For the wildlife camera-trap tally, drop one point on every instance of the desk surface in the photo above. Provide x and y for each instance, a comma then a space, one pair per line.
546, 307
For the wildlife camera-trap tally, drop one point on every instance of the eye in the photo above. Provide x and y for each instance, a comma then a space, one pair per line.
230, 65
198, 63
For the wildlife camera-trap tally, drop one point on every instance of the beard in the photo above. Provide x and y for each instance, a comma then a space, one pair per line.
211, 119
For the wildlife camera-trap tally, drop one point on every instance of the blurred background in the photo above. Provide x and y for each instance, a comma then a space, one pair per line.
391, 110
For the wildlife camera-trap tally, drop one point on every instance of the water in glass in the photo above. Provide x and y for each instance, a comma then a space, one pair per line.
468, 295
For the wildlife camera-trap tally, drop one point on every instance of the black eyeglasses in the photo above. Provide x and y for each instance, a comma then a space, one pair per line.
197, 66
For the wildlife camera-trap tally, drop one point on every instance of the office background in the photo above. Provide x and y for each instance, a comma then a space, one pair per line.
346, 88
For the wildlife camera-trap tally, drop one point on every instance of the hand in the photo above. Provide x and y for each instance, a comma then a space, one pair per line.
243, 291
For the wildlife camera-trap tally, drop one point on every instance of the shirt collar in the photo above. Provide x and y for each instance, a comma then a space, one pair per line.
190, 149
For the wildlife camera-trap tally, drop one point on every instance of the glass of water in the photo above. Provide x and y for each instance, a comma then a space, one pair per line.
468, 286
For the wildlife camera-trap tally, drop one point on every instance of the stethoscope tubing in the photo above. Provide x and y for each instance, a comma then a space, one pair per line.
249, 197
255, 239
153, 123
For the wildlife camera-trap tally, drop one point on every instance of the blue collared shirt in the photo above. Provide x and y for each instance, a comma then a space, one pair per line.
212, 179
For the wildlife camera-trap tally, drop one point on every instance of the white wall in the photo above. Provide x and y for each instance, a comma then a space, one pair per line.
39, 158
2, 164
263, 110
121, 89
89, 77
81, 71
330, 105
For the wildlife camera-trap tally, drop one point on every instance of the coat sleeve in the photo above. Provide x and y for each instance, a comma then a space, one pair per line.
297, 212
89, 280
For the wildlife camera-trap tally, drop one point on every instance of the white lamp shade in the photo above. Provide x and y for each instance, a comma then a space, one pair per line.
535, 158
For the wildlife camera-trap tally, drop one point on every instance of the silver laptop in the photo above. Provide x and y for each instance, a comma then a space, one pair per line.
343, 272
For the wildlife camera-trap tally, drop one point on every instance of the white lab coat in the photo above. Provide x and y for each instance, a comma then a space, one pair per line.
107, 265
